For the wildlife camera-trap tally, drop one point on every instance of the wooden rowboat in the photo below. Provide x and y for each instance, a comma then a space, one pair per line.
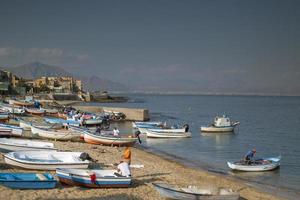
55, 134
46, 160
10, 130
9, 144
195, 193
27, 180
93, 178
109, 139
263, 164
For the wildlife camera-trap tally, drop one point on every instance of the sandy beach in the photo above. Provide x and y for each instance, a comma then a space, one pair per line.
156, 169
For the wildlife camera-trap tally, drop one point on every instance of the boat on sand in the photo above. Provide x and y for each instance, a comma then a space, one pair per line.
195, 193
93, 178
46, 160
27, 180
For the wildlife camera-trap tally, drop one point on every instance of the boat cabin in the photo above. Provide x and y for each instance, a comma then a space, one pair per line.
222, 121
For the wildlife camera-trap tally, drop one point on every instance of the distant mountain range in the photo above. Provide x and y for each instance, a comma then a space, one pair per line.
93, 83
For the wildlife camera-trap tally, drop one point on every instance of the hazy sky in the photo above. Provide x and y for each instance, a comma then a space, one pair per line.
233, 46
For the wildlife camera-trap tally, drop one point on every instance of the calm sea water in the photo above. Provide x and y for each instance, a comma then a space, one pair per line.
270, 124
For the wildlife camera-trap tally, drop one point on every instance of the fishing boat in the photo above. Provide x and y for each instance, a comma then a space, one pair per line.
155, 134
16, 110
4, 116
195, 193
109, 139
21, 103
50, 111
10, 130
63, 121
220, 124
26, 125
55, 134
27, 180
9, 144
92, 121
46, 160
166, 129
146, 124
258, 165
92, 178
35, 111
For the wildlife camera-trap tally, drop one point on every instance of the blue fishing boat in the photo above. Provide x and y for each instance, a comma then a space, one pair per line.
63, 121
27, 180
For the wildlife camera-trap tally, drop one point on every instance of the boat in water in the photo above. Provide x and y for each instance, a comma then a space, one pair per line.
27, 180
258, 165
93, 178
146, 124
157, 134
46, 160
220, 124
195, 193
9, 144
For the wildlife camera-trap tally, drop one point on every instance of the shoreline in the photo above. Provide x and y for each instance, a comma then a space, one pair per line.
156, 169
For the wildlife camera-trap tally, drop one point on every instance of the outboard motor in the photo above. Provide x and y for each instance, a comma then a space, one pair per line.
137, 134
85, 156
186, 126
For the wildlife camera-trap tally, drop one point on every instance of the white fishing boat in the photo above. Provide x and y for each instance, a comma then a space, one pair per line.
258, 165
26, 125
185, 128
220, 124
55, 134
93, 178
46, 160
10, 130
194, 192
9, 144
155, 134
35, 111
146, 124
17, 110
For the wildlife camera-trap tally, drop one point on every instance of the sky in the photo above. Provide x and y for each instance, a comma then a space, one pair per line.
198, 46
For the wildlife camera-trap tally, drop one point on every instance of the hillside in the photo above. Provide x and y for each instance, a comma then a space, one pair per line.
36, 69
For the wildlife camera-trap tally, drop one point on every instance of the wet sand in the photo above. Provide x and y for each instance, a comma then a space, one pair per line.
156, 169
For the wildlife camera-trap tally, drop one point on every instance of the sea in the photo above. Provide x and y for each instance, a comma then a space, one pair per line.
271, 124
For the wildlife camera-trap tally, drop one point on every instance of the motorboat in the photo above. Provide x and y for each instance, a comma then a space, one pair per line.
220, 124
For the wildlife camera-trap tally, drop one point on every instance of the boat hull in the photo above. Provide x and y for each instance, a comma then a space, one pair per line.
272, 163
24, 145
115, 141
85, 180
153, 134
172, 193
55, 135
217, 129
45, 160
8, 130
27, 181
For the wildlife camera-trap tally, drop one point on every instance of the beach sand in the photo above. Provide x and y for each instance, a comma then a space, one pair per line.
156, 169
